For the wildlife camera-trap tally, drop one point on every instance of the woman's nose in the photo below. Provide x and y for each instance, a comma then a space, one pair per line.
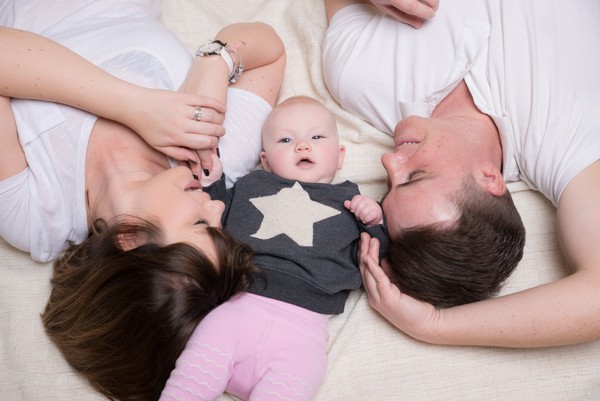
216, 209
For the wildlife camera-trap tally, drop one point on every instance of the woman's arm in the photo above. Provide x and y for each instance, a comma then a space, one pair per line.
562, 312
262, 54
35, 67
12, 158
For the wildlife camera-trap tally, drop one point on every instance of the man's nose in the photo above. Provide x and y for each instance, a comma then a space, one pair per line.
393, 164
393, 158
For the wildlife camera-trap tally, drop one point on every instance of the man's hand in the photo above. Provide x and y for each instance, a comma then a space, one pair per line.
411, 12
415, 318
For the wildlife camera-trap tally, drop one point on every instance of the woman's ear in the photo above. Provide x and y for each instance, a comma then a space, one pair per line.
128, 241
492, 180
264, 161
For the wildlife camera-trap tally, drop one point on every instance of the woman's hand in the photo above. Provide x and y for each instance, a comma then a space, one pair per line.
166, 120
411, 12
415, 318
215, 173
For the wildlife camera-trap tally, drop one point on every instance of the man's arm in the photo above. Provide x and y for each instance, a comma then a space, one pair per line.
562, 312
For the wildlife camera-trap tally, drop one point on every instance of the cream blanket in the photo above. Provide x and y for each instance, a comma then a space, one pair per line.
368, 358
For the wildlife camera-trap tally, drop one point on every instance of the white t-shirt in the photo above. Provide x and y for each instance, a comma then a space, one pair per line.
532, 66
44, 206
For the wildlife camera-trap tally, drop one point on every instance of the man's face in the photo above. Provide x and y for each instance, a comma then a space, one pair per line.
429, 162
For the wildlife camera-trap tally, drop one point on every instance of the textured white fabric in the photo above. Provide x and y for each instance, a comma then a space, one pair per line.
368, 359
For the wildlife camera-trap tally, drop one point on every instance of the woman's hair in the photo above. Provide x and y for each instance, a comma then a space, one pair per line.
463, 263
122, 318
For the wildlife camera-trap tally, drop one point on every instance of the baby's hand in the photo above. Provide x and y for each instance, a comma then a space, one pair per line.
365, 209
215, 174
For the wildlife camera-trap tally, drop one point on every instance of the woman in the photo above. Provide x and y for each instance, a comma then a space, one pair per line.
109, 190
50, 198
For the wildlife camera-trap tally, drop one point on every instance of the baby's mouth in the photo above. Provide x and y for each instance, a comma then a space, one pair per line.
305, 162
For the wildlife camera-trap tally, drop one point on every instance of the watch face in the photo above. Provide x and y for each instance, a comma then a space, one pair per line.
211, 48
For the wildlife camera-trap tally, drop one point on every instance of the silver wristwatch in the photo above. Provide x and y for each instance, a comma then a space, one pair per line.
229, 54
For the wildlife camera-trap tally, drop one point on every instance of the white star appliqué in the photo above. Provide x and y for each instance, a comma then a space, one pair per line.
291, 212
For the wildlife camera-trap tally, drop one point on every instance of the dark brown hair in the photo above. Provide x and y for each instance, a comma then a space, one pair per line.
466, 262
122, 318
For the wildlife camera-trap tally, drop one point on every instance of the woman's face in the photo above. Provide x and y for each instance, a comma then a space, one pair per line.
175, 201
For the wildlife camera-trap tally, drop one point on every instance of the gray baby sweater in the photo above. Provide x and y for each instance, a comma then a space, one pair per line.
304, 239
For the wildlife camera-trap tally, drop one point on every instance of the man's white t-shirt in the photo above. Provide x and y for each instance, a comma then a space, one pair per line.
531, 66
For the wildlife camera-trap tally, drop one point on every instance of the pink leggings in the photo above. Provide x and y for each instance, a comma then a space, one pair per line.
253, 347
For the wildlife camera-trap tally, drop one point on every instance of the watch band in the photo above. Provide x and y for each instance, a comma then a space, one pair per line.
228, 53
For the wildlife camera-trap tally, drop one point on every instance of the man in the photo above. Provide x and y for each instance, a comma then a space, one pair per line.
486, 92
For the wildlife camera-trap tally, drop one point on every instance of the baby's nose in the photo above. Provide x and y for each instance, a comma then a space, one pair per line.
302, 146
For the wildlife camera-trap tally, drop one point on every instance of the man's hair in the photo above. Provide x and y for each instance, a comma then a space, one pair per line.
465, 262
122, 318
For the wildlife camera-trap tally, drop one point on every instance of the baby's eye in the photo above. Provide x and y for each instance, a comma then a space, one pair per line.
285, 140
318, 137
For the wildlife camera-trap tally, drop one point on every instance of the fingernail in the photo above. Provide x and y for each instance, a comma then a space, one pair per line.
206, 172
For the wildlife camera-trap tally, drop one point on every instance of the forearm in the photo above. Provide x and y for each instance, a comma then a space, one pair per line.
258, 46
262, 54
35, 67
562, 312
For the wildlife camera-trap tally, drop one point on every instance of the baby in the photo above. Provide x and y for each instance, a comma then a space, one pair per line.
271, 342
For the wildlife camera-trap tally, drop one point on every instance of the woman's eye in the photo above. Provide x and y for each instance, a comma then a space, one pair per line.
201, 221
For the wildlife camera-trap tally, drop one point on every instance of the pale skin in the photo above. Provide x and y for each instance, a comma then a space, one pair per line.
120, 164
423, 167
306, 149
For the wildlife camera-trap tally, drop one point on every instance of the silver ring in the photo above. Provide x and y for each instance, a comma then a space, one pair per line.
198, 113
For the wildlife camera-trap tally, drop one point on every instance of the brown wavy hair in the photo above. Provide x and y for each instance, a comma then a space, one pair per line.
463, 263
122, 318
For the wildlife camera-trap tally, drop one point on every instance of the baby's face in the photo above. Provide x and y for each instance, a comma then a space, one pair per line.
300, 142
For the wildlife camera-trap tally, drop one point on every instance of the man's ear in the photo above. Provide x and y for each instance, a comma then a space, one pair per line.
264, 161
342, 156
491, 179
